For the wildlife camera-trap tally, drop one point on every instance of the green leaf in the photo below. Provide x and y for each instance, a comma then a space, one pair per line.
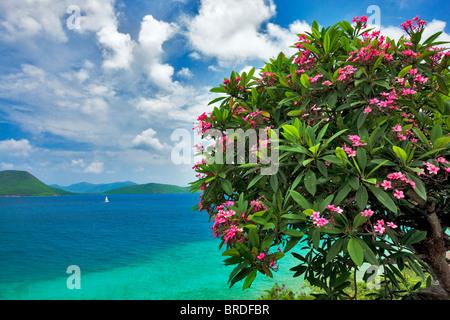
384, 198
300, 200
274, 182
368, 253
304, 80
400, 153
316, 238
311, 48
441, 142
293, 131
310, 182
294, 216
249, 279
356, 252
342, 193
255, 180
326, 43
413, 236
420, 186
358, 220
404, 71
442, 85
362, 197
334, 249
253, 237
340, 153
226, 186
377, 63
233, 252
361, 156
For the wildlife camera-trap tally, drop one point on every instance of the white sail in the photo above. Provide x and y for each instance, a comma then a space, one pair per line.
106, 199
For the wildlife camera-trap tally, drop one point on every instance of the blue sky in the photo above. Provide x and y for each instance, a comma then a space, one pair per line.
98, 101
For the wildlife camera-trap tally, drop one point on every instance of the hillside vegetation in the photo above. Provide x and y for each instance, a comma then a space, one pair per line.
22, 183
148, 188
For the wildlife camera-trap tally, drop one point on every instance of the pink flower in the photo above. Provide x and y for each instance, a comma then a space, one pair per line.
367, 110
379, 228
433, 169
397, 128
392, 225
412, 71
441, 160
321, 222
315, 215
335, 209
386, 184
367, 213
374, 101
261, 256
401, 136
328, 83
398, 194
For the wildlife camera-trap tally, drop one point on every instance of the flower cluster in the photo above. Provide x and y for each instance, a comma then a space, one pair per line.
305, 59
367, 55
254, 118
362, 21
414, 25
346, 73
265, 260
434, 169
397, 182
226, 224
317, 220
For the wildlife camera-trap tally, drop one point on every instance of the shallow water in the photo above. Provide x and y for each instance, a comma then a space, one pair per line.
135, 247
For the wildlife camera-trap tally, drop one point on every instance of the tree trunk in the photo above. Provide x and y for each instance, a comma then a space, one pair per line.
433, 249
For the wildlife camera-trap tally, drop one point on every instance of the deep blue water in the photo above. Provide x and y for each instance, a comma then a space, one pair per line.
134, 247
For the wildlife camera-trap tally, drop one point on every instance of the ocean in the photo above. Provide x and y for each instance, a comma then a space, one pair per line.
136, 247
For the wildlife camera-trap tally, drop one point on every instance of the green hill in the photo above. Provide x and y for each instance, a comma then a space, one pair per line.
22, 183
149, 188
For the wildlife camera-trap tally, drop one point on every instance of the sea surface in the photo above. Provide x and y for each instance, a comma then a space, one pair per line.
134, 247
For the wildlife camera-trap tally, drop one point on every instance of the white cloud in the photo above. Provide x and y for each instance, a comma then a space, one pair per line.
95, 167
147, 140
16, 148
185, 73
233, 31
24, 19
152, 35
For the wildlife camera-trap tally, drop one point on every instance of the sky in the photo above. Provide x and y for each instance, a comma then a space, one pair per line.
93, 90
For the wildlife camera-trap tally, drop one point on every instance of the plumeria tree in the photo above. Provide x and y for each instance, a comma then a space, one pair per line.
360, 124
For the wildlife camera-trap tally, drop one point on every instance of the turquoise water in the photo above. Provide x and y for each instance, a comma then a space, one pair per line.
135, 247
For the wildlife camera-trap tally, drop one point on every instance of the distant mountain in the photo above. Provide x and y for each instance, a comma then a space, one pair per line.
149, 188
84, 187
22, 183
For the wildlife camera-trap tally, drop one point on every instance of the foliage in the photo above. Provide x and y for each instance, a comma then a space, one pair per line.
361, 123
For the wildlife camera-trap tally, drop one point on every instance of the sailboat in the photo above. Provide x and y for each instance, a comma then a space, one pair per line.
106, 200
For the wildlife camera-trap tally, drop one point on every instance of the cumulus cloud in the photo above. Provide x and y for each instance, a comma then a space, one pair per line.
147, 140
152, 35
185, 73
233, 31
95, 167
23, 19
16, 148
